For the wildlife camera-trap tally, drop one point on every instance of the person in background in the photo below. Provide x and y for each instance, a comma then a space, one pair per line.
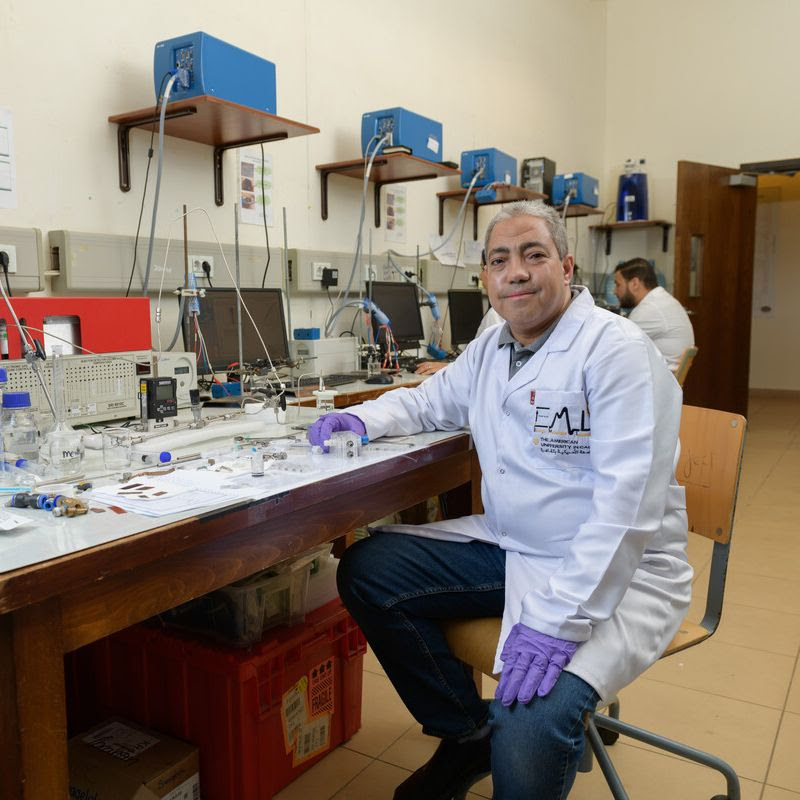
581, 547
653, 309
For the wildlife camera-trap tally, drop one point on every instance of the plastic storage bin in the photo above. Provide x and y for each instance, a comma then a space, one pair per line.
260, 717
240, 613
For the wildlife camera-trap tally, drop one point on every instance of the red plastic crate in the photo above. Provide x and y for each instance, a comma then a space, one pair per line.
230, 702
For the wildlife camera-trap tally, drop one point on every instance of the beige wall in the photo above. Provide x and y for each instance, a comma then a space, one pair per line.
492, 79
586, 82
712, 81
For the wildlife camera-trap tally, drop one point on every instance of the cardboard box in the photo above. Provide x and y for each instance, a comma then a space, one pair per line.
119, 760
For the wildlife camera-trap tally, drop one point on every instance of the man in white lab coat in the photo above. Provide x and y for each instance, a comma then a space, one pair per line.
653, 309
581, 546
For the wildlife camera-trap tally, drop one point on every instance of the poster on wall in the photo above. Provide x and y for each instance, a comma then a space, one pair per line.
8, 176
395, 213
255, 188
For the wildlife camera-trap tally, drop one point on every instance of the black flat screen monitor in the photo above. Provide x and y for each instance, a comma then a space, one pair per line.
466, 313
398, 300
218, 324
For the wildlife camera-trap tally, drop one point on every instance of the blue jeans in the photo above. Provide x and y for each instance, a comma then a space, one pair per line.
398, 587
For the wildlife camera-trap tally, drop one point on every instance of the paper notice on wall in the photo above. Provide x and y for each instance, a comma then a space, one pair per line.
451, 255
8, 169
255, 188
396, 213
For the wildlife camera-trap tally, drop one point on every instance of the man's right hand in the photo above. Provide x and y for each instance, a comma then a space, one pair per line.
321, 430
429, 367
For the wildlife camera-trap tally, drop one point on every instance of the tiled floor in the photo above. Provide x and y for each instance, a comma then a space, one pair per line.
737, 695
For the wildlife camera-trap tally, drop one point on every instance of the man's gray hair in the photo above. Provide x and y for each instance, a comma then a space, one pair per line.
532, 208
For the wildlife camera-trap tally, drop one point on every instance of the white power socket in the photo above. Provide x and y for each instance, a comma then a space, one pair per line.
196, 265
317, 267
370, 272
12, 256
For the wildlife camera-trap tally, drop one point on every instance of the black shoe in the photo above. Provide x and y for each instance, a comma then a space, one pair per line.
452, 769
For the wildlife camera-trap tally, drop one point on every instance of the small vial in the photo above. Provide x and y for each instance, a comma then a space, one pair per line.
325, 400
256, 463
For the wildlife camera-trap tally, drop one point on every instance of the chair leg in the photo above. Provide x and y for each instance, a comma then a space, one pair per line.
609, 772
661, 742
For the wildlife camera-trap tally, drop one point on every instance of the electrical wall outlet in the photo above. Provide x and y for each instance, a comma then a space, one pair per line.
474, 279
11, 250
196, 265
317, 267
370, 272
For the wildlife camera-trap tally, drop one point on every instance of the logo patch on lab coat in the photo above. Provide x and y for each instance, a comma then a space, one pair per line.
533, 398
561, 424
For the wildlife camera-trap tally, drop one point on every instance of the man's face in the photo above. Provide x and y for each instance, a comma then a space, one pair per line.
528, 284
622, 289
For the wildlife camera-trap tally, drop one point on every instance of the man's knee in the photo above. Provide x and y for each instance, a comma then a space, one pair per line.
361, 569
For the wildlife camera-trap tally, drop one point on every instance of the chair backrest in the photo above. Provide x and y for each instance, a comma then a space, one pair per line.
682, 370
712, 443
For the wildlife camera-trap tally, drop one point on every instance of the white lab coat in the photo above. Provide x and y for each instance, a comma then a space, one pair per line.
577, 452
666, 322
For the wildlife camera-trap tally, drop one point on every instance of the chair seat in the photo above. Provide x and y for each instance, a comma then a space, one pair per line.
474, 641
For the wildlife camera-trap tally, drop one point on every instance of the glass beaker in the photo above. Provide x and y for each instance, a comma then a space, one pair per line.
65, 451
116, 448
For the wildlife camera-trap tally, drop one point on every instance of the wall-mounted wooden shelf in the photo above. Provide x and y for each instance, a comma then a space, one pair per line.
579, 210
208, 120
386, 168
504, 194
640, 223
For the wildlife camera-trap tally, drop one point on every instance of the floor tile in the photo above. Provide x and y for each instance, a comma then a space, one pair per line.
785, 769
384, 718
741, 673
793, 701
323, 780
377, 782
774, 793
371, 663
766, 550
411, 750
783, 517
762, 591
757, 628
656, 776
740, 733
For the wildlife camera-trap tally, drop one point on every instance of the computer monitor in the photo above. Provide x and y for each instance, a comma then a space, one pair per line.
398, 300
465, 308
218, 324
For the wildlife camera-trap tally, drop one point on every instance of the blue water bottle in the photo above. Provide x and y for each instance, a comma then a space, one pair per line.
632, 194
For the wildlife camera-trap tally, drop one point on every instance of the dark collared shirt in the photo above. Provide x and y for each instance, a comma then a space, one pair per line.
519, 354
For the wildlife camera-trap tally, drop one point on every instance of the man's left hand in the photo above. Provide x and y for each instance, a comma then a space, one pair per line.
532, 662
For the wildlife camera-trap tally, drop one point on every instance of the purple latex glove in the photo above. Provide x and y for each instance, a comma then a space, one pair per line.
321, 430
532, 662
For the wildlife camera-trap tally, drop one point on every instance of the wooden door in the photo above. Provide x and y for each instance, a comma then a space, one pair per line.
714, 240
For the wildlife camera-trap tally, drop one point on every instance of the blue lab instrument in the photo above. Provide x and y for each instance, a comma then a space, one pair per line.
218, 69
581, 188
498, 167
419, 134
